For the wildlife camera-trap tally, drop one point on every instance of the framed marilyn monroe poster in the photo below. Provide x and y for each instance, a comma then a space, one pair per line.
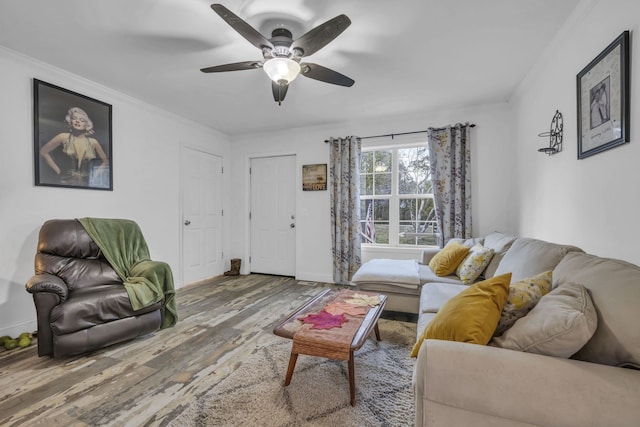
72, 139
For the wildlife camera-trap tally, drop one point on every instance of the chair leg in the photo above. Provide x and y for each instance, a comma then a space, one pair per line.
352, 380
292, 364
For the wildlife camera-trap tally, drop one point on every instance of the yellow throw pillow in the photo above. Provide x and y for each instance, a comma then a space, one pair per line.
474, 263
471, 316
445, 261
523, 296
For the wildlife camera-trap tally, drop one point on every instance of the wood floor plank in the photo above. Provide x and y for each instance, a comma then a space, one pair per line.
152, 379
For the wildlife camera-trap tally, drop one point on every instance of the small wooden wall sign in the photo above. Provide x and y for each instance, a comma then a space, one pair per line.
314, 177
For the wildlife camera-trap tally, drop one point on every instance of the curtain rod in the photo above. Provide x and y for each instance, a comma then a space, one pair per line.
392, 135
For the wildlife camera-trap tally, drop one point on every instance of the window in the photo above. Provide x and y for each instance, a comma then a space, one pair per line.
396, 197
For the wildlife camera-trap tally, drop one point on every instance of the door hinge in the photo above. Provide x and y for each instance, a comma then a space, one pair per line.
222, 169
222, 255
249, 215
249, 260
222, 212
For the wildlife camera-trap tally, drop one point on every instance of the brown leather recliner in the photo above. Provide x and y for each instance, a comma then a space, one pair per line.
81, 302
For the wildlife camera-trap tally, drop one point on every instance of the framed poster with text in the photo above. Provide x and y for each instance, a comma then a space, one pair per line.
314, 177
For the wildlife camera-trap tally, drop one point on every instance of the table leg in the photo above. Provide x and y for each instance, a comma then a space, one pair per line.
352, 380
377, 331
292, 365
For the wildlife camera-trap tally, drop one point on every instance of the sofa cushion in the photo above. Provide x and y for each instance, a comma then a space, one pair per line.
427, 276
471, 316
435, 295
523, 296
528, 257
423, 320
446, 261
559, 325
474, 263
427, 255
500, 243
467, 242
401, 272
614, 286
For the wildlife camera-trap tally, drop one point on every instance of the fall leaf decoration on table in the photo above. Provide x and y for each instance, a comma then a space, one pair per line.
364, 300
324, 320
345, 308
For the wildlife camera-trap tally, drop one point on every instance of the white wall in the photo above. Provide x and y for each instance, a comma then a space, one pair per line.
594, 202
146, 153
492, 152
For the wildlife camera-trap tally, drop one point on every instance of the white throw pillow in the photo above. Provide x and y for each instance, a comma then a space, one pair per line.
474, 263
559, 325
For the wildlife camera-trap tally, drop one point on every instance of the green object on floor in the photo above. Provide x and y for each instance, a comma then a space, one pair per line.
10, 344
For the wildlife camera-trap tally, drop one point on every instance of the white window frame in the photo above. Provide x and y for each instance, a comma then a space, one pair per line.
412, 141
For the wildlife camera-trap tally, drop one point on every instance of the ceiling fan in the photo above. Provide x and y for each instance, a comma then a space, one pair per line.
281, 54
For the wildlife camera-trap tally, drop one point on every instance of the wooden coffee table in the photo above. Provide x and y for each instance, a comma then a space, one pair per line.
290, 325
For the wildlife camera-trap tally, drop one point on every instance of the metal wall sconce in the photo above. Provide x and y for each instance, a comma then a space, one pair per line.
554, 135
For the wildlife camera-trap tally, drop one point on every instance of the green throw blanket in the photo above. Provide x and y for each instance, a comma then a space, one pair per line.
123, 245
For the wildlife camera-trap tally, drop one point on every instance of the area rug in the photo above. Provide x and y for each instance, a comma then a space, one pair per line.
254, 395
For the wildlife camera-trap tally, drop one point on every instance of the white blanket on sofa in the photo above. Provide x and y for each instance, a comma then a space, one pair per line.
395, 271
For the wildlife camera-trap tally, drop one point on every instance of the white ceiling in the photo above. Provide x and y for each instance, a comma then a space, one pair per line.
405, 56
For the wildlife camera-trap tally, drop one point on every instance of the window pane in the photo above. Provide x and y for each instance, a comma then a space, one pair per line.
366, 184
428, 240
407, 233
382, 183
364, 203
407, 209
381, 210
382, 161
366, 162
413, 171
417, 221
382, 232
374, 222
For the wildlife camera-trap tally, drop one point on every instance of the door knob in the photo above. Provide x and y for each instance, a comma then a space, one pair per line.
292, 225
187, 222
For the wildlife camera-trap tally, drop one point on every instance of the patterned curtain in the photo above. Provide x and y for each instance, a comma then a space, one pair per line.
450, 159
344, 172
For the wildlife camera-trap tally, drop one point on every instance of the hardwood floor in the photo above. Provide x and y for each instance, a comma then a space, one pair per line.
150, 380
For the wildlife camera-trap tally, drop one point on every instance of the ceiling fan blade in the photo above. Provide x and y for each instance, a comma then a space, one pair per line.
318, 37
245, 30
318, 72
279, 91
237, 66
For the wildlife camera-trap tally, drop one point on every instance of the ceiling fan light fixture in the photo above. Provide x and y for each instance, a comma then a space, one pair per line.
279, 69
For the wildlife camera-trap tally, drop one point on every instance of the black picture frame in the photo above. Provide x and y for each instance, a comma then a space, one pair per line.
66, 155
603, 100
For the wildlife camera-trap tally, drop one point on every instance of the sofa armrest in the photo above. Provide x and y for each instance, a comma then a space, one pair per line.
488, 383
48, 283
48, 291
427, 254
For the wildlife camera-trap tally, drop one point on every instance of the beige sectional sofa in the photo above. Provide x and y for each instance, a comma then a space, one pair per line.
463, 384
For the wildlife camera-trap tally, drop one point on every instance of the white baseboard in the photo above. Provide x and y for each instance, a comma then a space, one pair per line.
18, 328
310, 277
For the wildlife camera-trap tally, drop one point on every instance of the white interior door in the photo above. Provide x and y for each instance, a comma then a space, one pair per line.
273, 233
201, 215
